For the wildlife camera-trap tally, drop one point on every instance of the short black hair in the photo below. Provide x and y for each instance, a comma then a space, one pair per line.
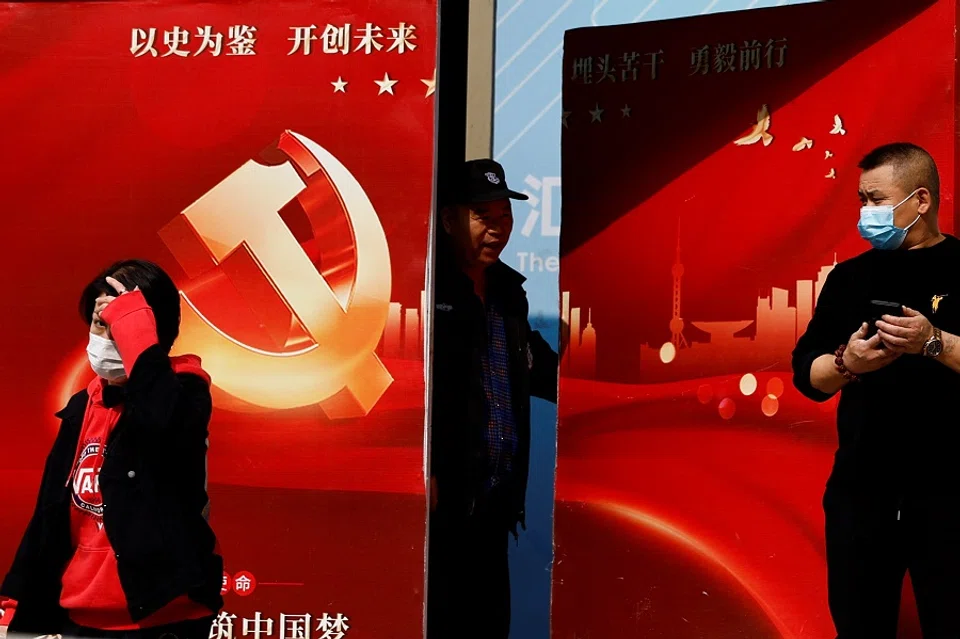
158, 289
912, 165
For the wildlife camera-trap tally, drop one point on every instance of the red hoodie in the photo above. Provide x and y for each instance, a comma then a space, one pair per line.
91, 591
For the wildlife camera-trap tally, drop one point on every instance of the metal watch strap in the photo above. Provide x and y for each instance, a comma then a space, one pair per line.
936, 337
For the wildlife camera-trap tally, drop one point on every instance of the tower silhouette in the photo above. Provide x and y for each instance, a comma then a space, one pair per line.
586, 354
676, 322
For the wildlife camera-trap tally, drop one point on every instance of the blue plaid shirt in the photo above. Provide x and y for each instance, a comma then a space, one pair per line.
501, 433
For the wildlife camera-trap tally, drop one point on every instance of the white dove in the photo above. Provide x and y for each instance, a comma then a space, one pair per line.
760, 130
832, 175
803, 144
828, 155
837, 126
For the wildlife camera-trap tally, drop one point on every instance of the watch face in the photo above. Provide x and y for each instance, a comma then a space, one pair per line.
934, 348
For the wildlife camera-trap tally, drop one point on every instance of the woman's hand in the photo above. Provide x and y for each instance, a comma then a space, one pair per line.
99, 304
118, 287
104, 300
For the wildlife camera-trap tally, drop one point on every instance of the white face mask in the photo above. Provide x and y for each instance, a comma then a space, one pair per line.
105, 358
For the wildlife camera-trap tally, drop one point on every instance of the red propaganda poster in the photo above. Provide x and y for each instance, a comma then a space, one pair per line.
709, 187
276, 159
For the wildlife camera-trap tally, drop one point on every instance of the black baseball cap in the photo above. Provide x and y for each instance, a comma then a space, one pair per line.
483, 181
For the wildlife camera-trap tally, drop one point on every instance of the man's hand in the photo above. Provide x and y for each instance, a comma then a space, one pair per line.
860, 356
906, 334
866, 355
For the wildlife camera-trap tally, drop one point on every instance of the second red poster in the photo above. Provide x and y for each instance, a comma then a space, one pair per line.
709, 188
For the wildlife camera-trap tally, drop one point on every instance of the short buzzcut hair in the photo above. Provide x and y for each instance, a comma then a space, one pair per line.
913, 167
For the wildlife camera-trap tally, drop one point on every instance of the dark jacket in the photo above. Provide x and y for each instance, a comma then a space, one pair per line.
459, 417
152, 482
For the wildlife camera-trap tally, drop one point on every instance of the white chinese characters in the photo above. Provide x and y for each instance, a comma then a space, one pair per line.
342, 39
541, 201
241, 40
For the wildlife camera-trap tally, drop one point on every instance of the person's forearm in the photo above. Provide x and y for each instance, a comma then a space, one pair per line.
950, 356
825, 377
132, 325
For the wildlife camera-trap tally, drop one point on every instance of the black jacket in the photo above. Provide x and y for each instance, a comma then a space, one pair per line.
152, 482
459, 416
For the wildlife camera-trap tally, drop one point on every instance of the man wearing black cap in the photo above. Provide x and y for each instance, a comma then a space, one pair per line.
486, 365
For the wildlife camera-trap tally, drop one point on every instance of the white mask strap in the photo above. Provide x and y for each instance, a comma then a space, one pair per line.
904, 200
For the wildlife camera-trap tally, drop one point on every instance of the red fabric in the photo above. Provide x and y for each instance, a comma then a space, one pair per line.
132, 326
189, 364
7, 609
91, 591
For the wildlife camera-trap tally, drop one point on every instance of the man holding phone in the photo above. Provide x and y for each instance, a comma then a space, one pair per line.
884, 335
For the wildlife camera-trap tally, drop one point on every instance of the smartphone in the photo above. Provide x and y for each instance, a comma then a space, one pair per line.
878, 309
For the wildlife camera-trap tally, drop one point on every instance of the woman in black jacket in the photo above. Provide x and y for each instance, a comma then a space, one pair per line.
118, 545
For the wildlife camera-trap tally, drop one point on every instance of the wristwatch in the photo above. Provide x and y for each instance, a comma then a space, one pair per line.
933, 346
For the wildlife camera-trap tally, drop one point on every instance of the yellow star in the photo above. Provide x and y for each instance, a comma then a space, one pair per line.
431, 84
339, 86
386, 85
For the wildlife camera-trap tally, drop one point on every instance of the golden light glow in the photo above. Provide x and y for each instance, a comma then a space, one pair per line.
748, 384
770, 405
668, 353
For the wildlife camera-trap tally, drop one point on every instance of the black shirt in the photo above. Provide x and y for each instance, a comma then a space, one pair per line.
898, 427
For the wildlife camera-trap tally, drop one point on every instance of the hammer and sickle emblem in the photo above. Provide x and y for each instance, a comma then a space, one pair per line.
341, 320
